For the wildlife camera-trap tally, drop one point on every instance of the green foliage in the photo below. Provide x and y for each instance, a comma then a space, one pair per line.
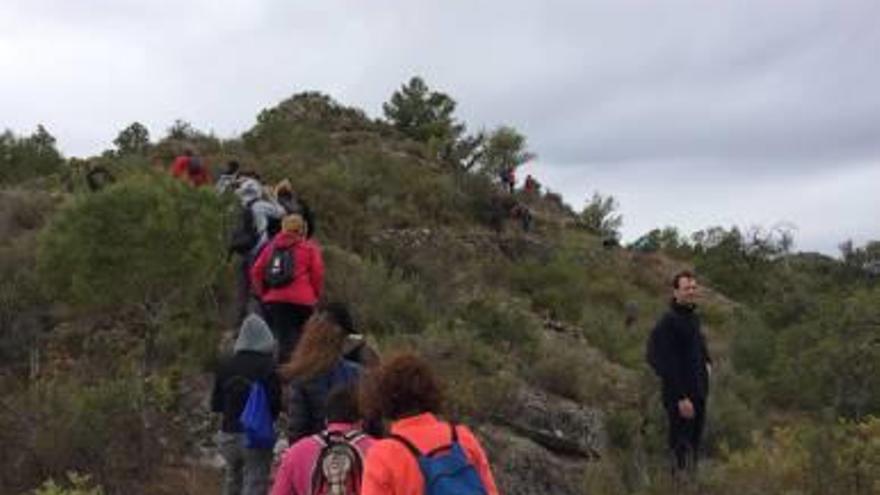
600, 216
133, 140
558, 287
422, 114
504, 148
24, 158
146, 242
78, 484
384, 301
668, 239
504, 322
808, 459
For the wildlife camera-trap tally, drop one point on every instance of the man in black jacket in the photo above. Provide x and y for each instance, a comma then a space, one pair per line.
247, 469
677, 352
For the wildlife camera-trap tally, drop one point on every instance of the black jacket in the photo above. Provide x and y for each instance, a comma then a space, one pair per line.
232, 384
677, 352
307, 408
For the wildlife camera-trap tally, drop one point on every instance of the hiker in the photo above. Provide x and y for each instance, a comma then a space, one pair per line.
421, 446
227, 180
508, 178
317, 366
331, 461
292, 203
677, 353
190, 167
531, 185
288, 278
259, 220
522, 212
247, 468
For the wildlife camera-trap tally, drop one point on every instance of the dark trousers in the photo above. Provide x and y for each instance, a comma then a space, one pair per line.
286, 321
685, 434
242, 288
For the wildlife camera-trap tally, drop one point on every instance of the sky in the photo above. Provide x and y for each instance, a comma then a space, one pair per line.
690, 113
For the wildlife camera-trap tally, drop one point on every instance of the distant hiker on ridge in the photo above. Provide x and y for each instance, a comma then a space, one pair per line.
190, 167
677, 353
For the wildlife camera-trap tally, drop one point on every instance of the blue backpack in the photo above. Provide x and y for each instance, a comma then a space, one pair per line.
449, 473
256, 419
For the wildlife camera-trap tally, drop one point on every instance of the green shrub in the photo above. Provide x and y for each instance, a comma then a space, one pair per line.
77, 484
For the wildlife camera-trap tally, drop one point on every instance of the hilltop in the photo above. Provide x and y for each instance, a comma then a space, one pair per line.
116, 303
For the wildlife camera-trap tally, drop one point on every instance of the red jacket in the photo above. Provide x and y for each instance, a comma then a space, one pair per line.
308, 271
391, 469
180, 170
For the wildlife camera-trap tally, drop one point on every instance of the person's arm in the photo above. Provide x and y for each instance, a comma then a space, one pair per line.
298, 414
377, 478
274, 395
478, 458
669, 362
257, 271
284, 484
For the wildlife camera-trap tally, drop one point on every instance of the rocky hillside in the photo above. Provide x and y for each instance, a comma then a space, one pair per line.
115, 305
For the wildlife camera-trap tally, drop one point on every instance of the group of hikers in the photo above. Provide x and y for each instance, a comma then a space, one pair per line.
355, 423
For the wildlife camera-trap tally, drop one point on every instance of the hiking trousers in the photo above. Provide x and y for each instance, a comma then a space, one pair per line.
286, 321
685, 435
247, 470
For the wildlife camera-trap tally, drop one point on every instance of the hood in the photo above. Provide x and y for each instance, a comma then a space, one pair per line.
255, 336
249, 190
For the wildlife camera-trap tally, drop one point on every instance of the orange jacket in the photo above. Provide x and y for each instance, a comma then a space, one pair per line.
391, 469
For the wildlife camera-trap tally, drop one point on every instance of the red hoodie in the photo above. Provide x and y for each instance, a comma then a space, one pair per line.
308, 271
180, 170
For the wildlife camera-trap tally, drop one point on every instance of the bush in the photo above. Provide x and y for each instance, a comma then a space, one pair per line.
77, 485
150, 245
384, 301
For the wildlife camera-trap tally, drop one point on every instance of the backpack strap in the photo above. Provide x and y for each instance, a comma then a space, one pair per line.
417, 453
406, 443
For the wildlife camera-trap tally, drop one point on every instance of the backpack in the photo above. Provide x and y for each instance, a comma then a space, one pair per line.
339, 468
256, 419
279, 271
194, 165
446, 474
244, 237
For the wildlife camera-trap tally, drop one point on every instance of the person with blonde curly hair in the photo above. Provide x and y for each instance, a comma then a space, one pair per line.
288, 278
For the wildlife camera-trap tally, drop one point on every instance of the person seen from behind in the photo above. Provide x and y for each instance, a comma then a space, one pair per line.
247, 469
294, 204
331, 461
677, 352
288, 279
317, 366
227, 180
405, 391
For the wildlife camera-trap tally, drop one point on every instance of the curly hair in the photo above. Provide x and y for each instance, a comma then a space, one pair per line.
319, 348
403, 386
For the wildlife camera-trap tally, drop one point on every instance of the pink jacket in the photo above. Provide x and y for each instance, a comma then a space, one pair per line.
308, 276
294, 476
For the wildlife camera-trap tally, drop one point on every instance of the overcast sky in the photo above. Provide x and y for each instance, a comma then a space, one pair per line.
691, 113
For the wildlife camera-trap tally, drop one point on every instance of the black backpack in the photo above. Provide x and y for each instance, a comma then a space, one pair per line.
279, 271
244, 237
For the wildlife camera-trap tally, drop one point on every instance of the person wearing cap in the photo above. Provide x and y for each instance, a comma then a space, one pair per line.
288, 307
253, 359
317, 366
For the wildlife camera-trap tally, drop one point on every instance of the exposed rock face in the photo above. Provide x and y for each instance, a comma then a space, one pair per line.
559, 425
522, 467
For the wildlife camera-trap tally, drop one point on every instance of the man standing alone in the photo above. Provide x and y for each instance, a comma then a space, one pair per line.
677, 352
